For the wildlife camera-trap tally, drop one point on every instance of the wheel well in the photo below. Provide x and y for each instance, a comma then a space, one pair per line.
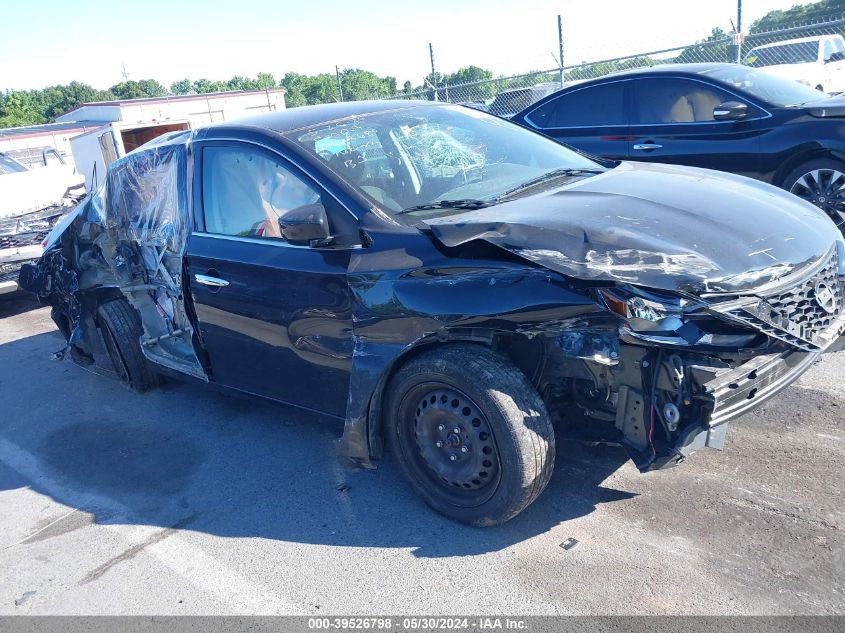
90, 302
528, 358
794, 161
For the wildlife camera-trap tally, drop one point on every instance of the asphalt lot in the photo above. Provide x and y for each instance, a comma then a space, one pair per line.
183, 501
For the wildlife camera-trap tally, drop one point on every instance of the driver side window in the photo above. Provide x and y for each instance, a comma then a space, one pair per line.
245, 191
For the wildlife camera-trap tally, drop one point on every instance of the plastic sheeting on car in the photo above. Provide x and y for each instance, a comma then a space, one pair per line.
145, 197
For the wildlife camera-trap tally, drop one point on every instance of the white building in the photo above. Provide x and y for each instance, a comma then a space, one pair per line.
199, 110
27, 144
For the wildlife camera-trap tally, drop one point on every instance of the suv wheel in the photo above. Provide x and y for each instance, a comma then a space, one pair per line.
121, 329
822, 182
470, 433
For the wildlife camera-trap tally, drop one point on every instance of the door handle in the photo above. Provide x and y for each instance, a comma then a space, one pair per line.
215, 282
645, 147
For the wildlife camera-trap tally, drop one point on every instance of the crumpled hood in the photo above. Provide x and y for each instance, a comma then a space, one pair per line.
660, 226
27, 191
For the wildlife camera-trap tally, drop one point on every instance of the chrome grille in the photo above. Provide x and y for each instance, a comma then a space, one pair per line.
804, 314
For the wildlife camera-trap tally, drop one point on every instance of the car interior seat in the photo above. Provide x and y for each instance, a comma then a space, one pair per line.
349, 164
703, 102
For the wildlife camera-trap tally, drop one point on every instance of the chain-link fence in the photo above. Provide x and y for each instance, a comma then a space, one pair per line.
811, 45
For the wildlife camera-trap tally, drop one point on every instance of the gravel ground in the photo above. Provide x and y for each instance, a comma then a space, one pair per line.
183, 501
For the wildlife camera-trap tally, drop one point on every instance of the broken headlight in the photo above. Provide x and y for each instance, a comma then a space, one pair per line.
663, 319
644, 311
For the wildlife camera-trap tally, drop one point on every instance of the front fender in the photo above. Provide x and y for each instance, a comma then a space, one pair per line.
400, 311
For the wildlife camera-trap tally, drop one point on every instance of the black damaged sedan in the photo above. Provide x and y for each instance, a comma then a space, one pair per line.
449, 285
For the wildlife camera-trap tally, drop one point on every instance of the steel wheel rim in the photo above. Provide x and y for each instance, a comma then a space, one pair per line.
824, 188
473, 475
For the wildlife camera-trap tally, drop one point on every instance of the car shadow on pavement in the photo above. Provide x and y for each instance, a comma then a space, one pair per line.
187, 456
17, 303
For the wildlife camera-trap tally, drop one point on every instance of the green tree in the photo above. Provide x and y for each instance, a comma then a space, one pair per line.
821, 11
470, 74
362, 84
57, 100
241, 83
138, 89
202, 86
17, 108
321, 88
716, 47
294, 85
264, 81
181, 87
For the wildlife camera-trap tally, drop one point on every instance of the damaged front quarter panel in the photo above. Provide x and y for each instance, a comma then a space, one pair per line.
405, 301
126, 240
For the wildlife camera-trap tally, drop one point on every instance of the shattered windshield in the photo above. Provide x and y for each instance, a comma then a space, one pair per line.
413, 158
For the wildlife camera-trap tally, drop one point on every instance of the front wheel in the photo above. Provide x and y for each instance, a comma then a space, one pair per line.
821, 182
121, 329
470, 433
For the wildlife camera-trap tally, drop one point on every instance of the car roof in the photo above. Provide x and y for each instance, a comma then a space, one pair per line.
689, 69
308, 116
286, 120
660, 69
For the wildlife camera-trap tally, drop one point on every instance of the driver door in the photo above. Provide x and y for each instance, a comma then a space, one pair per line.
274, 317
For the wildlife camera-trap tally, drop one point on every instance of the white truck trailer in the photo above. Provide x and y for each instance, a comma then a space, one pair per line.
95, 150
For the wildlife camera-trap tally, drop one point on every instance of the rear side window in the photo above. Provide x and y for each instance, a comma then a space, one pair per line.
245, 191
597, 106
659, 101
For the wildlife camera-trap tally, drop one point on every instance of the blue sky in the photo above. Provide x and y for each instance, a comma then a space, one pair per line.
46, 42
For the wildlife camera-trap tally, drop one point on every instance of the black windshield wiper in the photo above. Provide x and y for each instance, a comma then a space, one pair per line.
449, 204
551, 175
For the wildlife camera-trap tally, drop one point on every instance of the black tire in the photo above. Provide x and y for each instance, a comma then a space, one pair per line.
819, 182
487, 406
121, 329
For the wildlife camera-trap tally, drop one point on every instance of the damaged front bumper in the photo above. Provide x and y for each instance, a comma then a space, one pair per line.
731, 393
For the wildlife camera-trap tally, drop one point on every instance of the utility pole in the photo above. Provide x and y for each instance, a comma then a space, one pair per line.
433, 74
739, 31
339, 82
124, 73
560, 46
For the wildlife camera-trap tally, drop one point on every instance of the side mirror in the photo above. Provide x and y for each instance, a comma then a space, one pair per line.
838, 56
730, 111
307, 225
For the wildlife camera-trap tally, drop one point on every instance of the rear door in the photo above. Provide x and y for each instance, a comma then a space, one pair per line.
593, 119
672, 122
275, 317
